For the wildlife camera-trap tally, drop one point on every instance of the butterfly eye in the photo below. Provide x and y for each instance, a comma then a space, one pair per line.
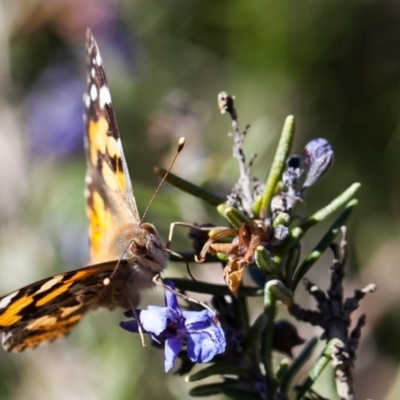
150, 229
138, 249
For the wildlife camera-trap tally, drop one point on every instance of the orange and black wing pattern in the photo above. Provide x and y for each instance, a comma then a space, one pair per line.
110, 199
49, 309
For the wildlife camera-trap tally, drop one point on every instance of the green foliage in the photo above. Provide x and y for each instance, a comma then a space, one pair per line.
248, 368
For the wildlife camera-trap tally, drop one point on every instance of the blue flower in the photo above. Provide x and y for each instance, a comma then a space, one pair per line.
199, 331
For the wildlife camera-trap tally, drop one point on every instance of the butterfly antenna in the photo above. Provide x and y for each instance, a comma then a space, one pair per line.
108, 280
181, 144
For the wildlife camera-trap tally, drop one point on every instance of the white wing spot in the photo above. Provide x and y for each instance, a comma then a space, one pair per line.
88, 179
98, 59
91, 45
86, 100
5, 301
50, 283
105, 96
4, 339
93, 72
93, 92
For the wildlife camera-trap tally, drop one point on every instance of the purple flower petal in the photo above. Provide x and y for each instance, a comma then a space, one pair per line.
131, 326
198, 319
318, 157
199, 331
201, 347
205, 338
170, 298
156, 319
172, 348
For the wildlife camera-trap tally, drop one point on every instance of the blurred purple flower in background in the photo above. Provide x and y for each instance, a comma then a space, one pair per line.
54, 105
199, 331
54, 112
54, 102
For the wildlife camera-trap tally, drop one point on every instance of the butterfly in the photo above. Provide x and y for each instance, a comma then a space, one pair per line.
126, 254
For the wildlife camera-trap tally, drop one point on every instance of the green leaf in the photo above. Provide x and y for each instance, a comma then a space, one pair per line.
261, 205
297, 364
210, 288
268, 334
318, 367
292, 262
215, 369
265, 262
329, 209
280, 291
190, 188
324, 243
282, 370
230, 387
255, 332
233, 215
300, 230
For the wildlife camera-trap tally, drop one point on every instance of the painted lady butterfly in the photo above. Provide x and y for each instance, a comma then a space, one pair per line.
124, 250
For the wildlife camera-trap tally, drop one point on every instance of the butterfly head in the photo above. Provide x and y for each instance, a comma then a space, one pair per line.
148, 248
140, 245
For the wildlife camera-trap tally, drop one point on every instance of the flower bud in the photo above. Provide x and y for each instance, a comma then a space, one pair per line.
317, 157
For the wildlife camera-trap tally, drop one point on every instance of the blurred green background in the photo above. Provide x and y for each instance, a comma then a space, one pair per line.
335, 65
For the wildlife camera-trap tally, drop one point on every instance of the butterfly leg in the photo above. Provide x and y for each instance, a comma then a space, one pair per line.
201, 228
171, 230
172, 226
140, 328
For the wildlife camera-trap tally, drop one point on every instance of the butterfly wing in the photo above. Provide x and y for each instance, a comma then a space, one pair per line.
50, 308
109, 193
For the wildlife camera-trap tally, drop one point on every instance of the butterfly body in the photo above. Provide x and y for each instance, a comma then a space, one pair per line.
125, 253
143, 257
